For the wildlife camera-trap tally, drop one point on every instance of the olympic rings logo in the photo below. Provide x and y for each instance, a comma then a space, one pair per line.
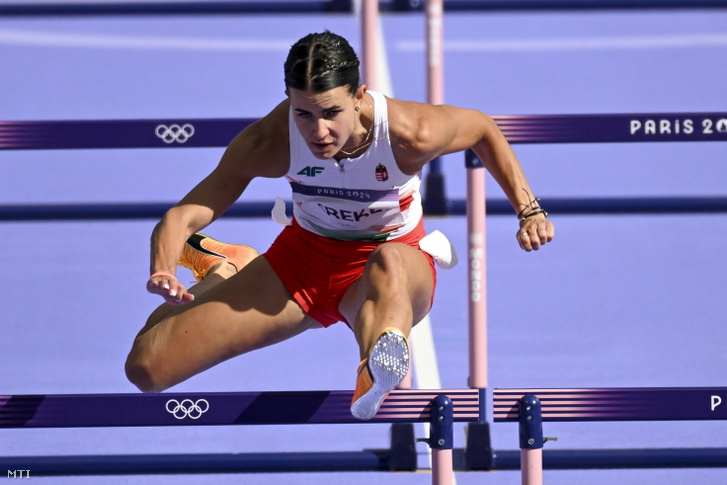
170, 134
187, 408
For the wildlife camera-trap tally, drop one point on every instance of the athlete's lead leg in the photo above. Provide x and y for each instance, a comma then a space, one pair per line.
393, 293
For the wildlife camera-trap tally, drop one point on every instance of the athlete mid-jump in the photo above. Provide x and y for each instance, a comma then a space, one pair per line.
352, 253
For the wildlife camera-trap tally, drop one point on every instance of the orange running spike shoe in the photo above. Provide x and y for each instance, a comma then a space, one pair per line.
383, 370
202, 252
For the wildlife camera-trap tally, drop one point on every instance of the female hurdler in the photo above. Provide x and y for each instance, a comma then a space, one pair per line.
354, 159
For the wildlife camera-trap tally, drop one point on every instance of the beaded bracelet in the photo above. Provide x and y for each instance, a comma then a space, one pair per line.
535, 212
530, 206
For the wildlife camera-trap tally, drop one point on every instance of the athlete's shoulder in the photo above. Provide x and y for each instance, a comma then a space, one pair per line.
410, 121
422, 131
274, 124
262, 148
414, 130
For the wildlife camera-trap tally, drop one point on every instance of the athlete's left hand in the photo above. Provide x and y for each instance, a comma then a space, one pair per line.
534, 232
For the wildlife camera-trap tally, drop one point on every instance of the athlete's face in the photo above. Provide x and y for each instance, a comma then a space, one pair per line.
325, 120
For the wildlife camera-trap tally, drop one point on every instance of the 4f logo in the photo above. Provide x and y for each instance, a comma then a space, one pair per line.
311, 171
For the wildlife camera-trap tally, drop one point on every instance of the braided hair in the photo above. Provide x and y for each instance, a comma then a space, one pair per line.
321, 62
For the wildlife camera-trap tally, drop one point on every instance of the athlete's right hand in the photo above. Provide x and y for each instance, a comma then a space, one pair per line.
169, 287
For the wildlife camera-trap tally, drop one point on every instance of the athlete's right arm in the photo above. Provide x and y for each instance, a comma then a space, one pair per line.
260, 150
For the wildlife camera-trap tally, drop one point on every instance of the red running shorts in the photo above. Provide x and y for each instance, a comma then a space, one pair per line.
317, 270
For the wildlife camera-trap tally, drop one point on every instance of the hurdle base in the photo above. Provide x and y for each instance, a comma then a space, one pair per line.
435, 202
204, 463
619, 459
478, 453
403, 454
367, 460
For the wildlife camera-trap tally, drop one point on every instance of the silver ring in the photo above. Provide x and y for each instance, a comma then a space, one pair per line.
524, 233
542, 229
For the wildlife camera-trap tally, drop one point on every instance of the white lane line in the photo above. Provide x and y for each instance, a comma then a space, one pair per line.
384, 82
424, 356
116, 41
718, 39
38, 38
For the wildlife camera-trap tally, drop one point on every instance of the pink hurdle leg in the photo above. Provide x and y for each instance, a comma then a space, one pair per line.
531, 466
441, 440
530, 423
369, 34
442, 467
477, 271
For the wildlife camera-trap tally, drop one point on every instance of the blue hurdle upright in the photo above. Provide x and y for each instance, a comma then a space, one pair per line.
530, 407
439, 408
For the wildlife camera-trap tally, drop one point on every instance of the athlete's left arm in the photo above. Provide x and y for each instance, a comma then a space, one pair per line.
423, 132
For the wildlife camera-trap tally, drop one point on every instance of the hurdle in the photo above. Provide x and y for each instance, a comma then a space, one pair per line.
215, 133
548, 129
531, 407
478, 453
439, 408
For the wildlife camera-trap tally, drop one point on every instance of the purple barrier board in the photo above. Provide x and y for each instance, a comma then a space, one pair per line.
617, 404
175, 409
167, 133
614, 128
105, 134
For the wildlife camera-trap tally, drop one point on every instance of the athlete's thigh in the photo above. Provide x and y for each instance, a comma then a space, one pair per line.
248, 311
418, 274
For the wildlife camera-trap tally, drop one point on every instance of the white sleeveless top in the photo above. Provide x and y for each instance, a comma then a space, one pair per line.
363, 198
